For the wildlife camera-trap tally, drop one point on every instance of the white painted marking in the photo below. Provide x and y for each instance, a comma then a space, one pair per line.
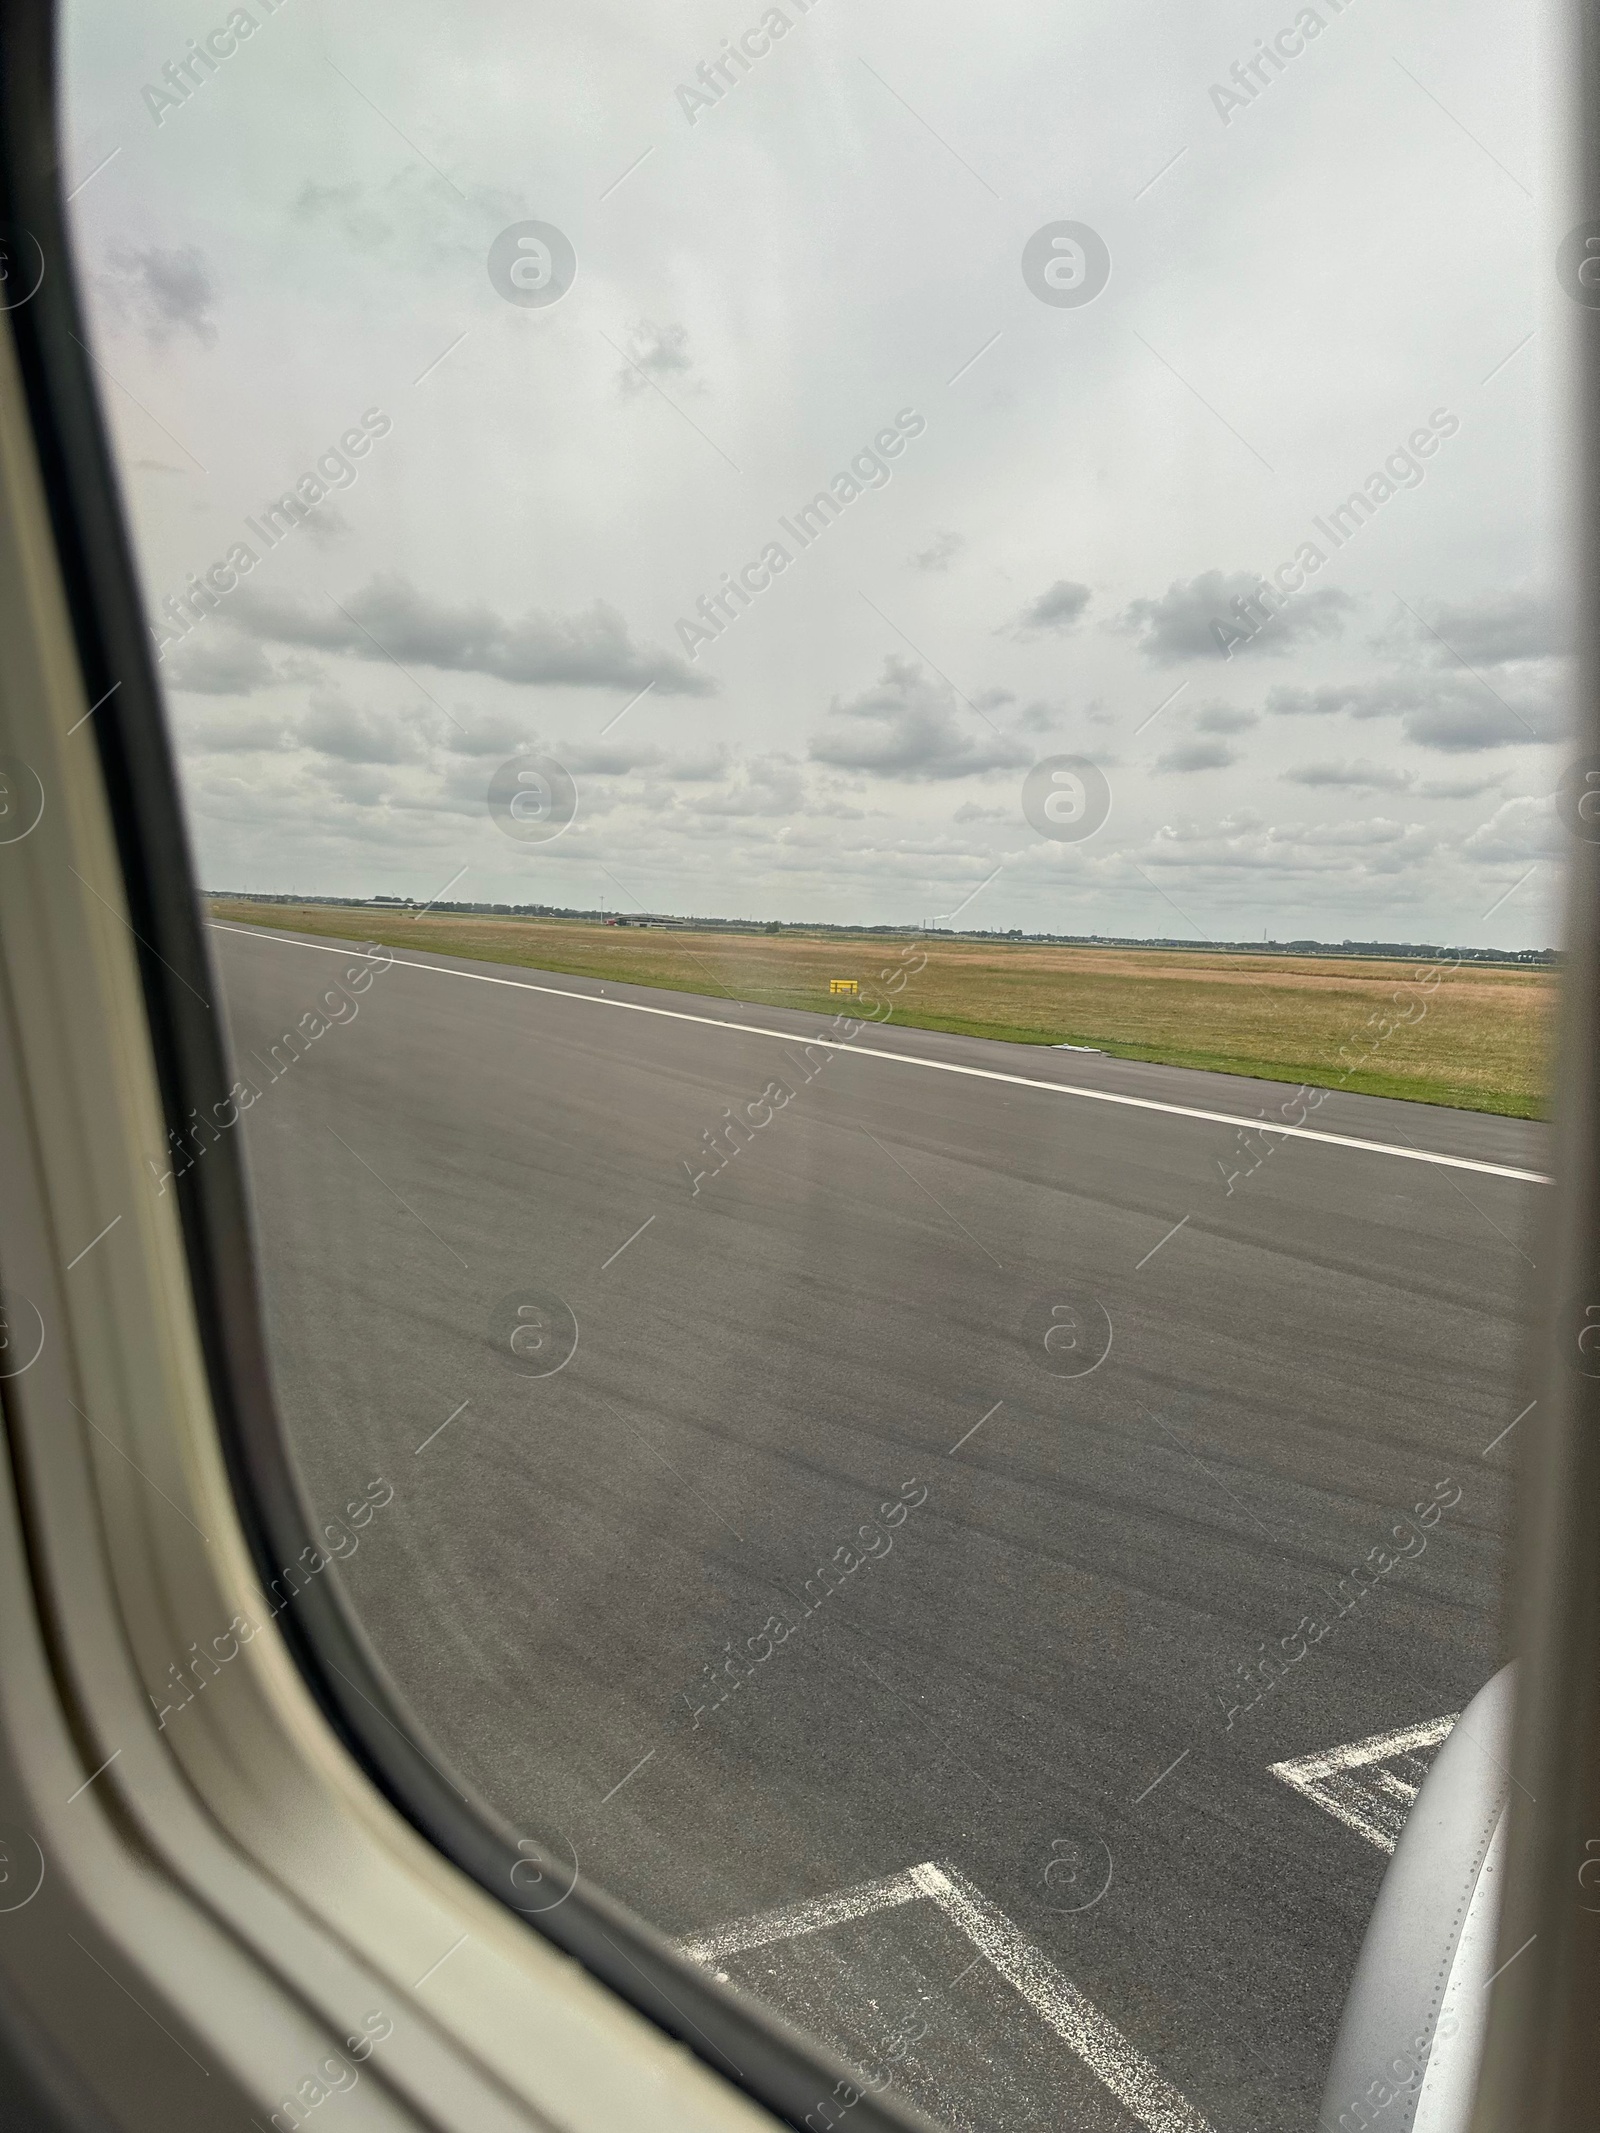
1102, 2047
1366, 1805
1396, 1785
792, 1920
939, 1066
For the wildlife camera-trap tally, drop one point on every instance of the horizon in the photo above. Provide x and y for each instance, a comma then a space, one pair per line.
1371, 949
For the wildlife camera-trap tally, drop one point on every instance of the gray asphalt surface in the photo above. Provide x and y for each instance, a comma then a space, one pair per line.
1034, 1682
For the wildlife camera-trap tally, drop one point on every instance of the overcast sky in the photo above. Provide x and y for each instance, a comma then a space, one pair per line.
1303, 279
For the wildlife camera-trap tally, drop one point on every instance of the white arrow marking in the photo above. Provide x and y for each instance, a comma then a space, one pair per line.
1375, 1806
1109, 2056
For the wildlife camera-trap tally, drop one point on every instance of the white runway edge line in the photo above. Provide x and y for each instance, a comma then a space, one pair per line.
1102, 2047
937, 1066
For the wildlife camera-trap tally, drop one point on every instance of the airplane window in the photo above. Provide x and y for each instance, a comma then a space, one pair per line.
869, 706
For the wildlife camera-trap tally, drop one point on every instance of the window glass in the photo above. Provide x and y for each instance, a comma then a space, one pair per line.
868, 702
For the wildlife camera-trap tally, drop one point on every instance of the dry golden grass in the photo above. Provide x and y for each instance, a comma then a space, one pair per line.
1477, 1037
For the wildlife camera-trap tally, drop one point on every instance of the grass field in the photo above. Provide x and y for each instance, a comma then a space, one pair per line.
1476, 1037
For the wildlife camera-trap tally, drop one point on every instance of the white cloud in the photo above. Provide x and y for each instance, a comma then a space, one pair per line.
1522, 829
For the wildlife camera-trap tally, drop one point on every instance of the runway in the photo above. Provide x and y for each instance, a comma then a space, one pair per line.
1001, 1409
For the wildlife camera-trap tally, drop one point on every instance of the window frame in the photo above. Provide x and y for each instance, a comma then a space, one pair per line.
181, 1839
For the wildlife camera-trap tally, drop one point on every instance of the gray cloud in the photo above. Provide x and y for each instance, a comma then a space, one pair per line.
350, 735
495, 733
1452, 713
700, 766
1058, 608
1196, 619
771, 785
219, 666
1455, 788
1379, 699
1242, 843
327, 525
655, 353
404, 212
495, 739
1040, 717
1226, 718
347, 206
909, 726
313, 200
359, 783
163, 292
217, 734
1199, 755
946, 547
1475, 720
1489, 630
605, 759
1352, 777
588, 651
